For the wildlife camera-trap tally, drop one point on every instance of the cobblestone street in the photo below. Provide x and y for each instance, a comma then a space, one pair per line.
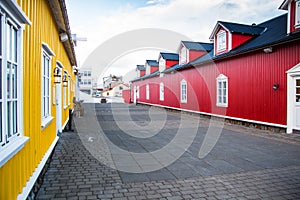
245, 163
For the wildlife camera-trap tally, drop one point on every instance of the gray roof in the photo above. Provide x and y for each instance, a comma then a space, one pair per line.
169, 56
198, 46
152, 62
141, 67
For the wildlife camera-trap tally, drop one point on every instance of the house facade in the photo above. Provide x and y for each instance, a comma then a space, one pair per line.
37, 87
249, 73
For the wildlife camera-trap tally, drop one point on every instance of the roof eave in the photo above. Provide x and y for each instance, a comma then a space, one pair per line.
59, 10
284, 5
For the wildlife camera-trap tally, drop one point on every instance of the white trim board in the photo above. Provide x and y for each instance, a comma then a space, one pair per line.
215, 115
30, 183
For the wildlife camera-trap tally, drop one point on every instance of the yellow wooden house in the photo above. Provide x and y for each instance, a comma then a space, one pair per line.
37, 73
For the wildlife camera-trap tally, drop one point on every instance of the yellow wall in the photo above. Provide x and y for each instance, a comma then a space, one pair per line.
17, 171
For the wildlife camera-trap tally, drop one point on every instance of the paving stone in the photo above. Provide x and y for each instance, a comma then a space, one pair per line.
245, 164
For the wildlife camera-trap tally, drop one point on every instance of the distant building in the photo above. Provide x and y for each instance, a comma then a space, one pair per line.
115, 90
111, 80
85, 80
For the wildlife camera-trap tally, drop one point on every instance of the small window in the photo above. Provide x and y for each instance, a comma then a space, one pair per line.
183, 55
183, 91
89, 73
69, 90
161, 92
46, 85
162, 64
222, 91
221, 41
297, 14
147, 92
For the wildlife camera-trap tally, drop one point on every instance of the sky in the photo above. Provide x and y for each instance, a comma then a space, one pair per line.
101, 21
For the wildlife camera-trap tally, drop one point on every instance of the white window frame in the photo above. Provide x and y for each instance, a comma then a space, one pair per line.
183, 55
161, 92
11, 13
297, 14
221, 41
183, 95
162, 64
147, 68
47, 53
147, 92
222, 90
69, 90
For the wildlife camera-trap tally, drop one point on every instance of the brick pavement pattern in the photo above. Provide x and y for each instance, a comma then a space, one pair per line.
245, 164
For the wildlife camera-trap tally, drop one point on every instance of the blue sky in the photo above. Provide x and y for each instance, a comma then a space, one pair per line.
100, 20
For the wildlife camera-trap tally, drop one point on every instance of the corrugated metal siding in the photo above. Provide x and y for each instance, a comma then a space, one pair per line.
17, 171
250, 80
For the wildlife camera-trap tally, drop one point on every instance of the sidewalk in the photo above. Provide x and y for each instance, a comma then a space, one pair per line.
242, 165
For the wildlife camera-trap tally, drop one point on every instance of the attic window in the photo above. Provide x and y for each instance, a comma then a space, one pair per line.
221, 41
297, 15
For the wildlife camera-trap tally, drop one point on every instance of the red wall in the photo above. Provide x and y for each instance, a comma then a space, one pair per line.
153, 69
193, 54
126, 96
238, 39
292, 17
170, 63
250, 81
142, 73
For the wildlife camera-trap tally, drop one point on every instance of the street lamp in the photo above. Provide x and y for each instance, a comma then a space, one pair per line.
57, 76
65, 81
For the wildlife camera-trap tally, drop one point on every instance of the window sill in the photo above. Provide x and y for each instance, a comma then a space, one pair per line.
222, 105
297, 25
46, 121
183, 101
12, 149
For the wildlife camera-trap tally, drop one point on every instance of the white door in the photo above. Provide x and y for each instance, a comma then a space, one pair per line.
297, 103
58, 108
134, 94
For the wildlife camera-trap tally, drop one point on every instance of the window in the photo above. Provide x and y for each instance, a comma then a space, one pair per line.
222, 91
183, 91
297, 14
69, 90
161, 92
162, 64
147, 92
147, 69
46, 84
89, 73
221, 41
183, 55
10, 111
11, 116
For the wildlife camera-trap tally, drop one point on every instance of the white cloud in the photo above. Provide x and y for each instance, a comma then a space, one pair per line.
195, 19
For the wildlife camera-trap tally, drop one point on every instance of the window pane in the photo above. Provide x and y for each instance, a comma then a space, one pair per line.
1, 139
8, 114
297, 90
298, 83
8, 80
0, 79
14, 45
0, 35
15, 124
8, 39
14, 80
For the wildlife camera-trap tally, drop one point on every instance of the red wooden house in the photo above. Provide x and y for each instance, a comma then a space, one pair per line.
251, 73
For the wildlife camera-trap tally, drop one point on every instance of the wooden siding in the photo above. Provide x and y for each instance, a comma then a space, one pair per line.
17, 171
250, 80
